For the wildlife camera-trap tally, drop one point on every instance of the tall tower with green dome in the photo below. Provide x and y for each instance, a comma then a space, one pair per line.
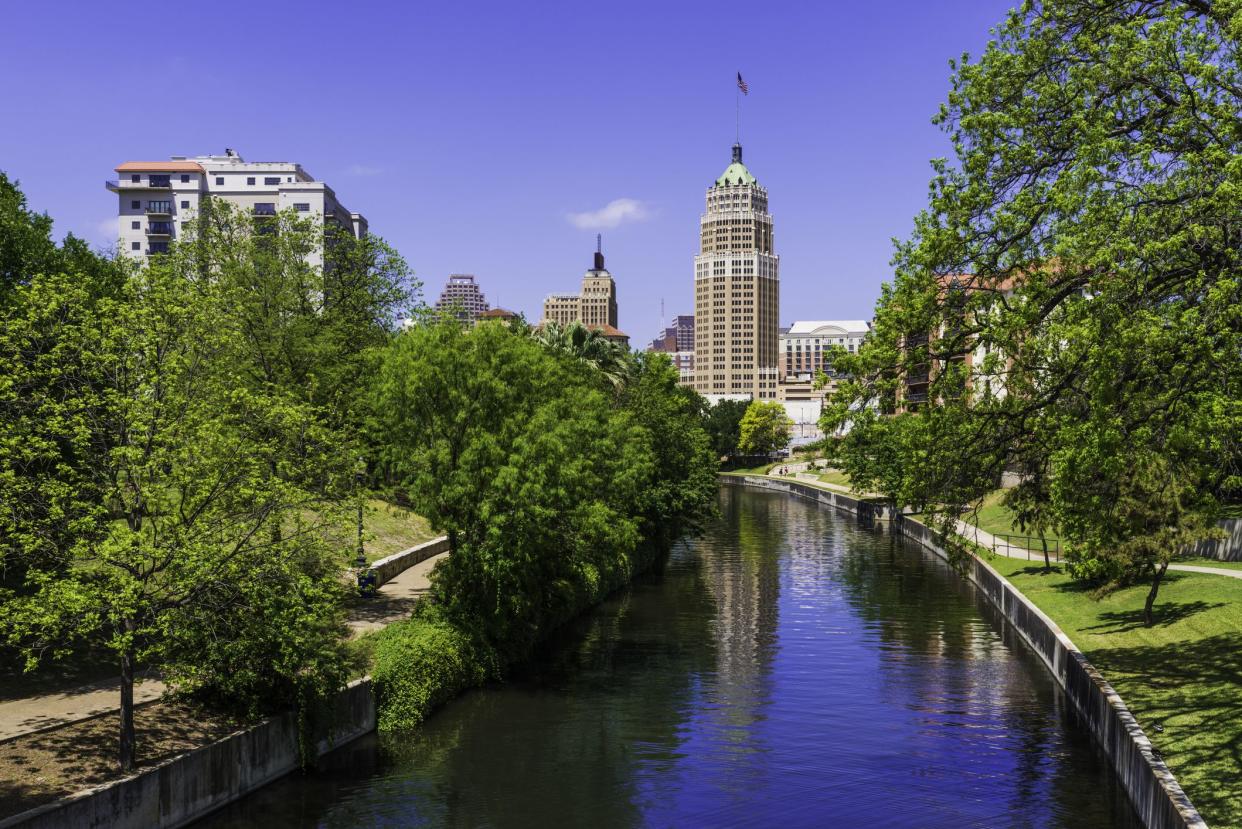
736, 290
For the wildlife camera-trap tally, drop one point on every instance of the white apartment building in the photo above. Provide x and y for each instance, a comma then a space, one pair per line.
156, 198
736, 290
803, 348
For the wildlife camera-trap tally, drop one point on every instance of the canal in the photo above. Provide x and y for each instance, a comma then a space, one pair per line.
784, 669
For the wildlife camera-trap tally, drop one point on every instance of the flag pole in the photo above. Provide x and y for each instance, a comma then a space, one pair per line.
737, 115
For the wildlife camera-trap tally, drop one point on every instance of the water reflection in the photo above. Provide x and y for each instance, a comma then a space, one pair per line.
786, 669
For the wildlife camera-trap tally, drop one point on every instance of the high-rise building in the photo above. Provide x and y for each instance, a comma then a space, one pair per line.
677, 342
461, 295
736, 290
595, 307
156, 198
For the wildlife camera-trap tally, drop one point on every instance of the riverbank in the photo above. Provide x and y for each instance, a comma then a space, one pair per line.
1153, 789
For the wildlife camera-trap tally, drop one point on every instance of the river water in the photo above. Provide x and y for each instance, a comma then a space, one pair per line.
785, 669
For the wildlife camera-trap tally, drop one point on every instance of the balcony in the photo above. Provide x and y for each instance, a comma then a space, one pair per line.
916, 397
154, 183
160, 229
265, 209
159, 208
157, 248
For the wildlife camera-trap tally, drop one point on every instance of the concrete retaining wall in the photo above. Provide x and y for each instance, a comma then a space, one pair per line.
190, 786
867, 511
387, 569
1155, 793
1225, 549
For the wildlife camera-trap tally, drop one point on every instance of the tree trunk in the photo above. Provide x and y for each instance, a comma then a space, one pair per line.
1148, 618
127, 704
1047, 563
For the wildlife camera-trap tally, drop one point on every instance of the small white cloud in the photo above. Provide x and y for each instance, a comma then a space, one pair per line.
107, 231
363, 170
616, 212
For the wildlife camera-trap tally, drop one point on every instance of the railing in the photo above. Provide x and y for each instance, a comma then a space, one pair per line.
916, 397
265, 210
160, 229
1030, 547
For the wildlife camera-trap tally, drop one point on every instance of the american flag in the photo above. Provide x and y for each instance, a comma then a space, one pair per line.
742, 85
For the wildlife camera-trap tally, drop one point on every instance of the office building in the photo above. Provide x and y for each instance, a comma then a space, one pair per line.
736, 290
461, 296
595, 306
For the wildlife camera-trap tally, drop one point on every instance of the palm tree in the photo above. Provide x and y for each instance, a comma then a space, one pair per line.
590, 346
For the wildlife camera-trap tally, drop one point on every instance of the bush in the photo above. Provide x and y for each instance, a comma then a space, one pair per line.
420, 664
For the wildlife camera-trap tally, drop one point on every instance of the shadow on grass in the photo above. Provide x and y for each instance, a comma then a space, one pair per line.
1164, 614
1194, 691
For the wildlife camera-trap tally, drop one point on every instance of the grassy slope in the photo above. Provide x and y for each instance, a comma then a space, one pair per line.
390, 529
1185, 673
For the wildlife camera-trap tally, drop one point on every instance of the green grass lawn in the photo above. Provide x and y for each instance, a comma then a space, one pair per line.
754, 470
835, 476
390, 529
1184, 673
997, 519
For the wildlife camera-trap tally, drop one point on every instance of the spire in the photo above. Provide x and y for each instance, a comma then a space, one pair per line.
737, 153
599, 252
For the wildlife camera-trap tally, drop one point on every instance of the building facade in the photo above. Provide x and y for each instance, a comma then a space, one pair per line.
156, 199
462, 296
595, 307
677, 342
736, 290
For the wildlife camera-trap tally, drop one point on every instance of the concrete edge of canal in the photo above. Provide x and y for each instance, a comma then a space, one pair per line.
1154, 791
184, 789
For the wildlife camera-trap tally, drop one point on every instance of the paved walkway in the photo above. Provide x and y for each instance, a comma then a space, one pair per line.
21, 716
1001, 548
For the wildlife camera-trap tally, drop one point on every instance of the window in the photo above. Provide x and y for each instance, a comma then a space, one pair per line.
160, 181
250, 179
135, 246
158, 247
185, 177
135, 225
219, 179
135, 177
185, 205
135, 205
270, 180
302, 206
265, 209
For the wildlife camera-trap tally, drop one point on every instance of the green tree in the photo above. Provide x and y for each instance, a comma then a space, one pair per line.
1072, 290
723, 422
182, 532
764, 428
588, 345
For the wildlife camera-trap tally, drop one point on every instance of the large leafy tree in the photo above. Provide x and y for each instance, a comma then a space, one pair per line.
1072, 292
723, 422
549, 483
179, 514
764, 428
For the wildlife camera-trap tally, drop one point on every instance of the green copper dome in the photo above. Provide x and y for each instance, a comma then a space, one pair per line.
736, 172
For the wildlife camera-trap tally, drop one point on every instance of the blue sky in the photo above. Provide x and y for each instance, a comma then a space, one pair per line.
471, 133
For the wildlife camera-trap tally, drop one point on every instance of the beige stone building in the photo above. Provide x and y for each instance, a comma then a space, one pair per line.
736, 290
595, 307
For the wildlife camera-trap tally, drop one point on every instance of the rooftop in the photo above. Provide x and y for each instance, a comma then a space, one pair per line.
816, 326
736, 172
160, 167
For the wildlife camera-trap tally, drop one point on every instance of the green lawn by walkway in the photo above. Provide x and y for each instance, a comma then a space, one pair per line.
390, 529
1185, 673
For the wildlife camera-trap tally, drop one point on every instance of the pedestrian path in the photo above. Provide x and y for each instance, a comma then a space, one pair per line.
394, 601
1003, 548
22, 716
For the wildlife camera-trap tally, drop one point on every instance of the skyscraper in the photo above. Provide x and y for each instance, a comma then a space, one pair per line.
461, 294
595, 307
736, 290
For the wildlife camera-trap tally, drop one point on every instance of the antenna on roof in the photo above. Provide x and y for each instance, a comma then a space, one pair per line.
599, 251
